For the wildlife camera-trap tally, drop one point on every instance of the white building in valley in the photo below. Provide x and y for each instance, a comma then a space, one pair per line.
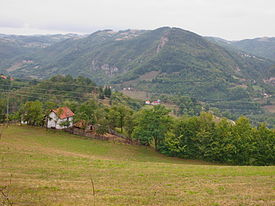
60, 118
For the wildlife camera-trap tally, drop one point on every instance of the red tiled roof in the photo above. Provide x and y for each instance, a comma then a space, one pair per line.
63, 112
3, 77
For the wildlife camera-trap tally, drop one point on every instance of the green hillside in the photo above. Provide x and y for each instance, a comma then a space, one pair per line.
190, 65
16, 50
46, 167
263, 47
125, 55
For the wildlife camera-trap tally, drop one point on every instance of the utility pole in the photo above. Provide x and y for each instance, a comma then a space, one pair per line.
8, 97
8, 100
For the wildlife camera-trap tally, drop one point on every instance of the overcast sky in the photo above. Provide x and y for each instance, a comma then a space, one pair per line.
229, 19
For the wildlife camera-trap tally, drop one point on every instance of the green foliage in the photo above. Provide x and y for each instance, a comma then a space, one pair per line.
186, 65
223, 141
152, 126
257, 47
119, 98
101, 93
72, 104
203, 137
187, 105
107, 92
102, 126
117, 116
48, 106
3, 107
87, 112
32, 113
53, 92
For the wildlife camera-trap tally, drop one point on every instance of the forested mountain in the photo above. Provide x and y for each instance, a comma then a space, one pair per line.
261, 47
165, 60
126, 54
16, 50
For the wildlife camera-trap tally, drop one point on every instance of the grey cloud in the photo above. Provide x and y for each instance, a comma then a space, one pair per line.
78, 28
230, 19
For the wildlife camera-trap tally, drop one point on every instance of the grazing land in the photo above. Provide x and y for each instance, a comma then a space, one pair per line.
270, 108
47, 167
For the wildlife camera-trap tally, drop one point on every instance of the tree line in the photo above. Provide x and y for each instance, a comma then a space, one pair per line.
204, 137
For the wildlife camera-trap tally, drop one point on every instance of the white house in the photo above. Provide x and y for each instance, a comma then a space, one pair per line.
58, 118
157, 102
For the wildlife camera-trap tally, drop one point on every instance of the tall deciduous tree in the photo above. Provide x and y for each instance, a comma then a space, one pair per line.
32, 113
87, 112
2, 110
152, 126
117, 116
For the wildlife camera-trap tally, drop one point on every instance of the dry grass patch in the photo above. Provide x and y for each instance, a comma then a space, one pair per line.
55, 168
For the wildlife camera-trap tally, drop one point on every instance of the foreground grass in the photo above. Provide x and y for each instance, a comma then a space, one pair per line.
45, 167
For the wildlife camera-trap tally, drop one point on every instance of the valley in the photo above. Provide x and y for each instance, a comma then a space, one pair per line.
165, 61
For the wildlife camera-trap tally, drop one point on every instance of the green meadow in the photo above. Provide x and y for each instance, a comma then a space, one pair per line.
48, 167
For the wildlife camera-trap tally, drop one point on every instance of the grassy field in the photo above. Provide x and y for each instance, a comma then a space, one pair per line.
45, 167
270, 108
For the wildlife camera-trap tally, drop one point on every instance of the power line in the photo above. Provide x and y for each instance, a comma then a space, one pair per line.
8, 102
30, 88
206, 100
42, 98
32, 95
49, 90
63, 84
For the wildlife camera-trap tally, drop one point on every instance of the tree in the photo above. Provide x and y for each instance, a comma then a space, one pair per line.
48, 106
265, 141
243, 140
117, 116
72, 104
101, 93
107, 92
223, 149
130, 124
32, 113
2, 110
87, 112
152, 126
102, 126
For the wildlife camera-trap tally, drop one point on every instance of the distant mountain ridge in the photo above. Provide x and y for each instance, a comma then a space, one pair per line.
14, 49
165, 60
37, 40
262, 47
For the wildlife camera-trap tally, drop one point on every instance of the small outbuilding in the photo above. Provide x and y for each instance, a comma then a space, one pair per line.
60, 118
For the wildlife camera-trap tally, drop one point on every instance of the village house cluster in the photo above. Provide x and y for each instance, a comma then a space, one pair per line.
2, 76
156, 102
